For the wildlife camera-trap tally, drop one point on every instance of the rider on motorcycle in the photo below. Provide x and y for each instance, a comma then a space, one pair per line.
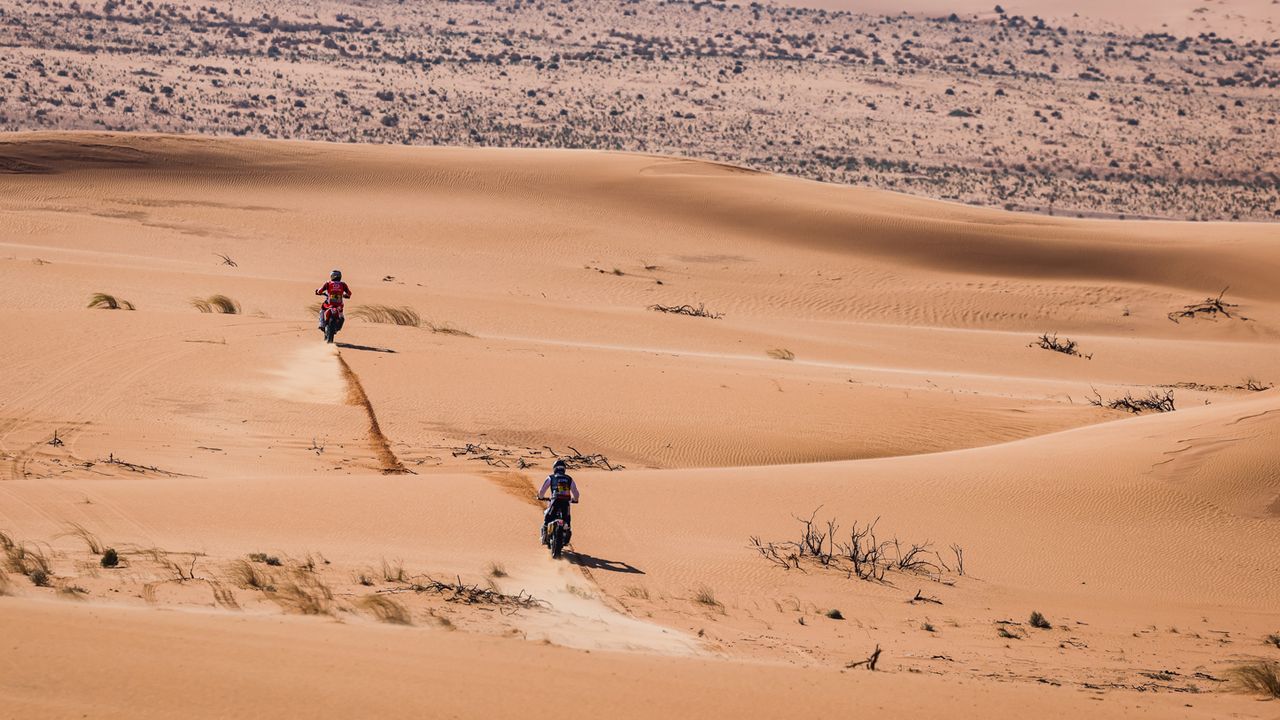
335, 291
563, 492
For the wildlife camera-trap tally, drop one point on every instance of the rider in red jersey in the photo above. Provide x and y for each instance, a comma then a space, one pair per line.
335, 292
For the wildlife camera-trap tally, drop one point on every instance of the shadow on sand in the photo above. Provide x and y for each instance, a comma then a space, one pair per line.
596, 563
366, 348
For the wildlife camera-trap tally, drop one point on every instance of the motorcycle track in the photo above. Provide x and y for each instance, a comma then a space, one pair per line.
391, 464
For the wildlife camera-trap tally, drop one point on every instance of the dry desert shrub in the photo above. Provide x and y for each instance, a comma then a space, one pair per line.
1154, 400
782, 354
6, 585
110, 558
637, 592
386, 609
388, 315
1260, 677
1273, 639
1038, 621
1066, 346
216, 304
496, 570
103, 301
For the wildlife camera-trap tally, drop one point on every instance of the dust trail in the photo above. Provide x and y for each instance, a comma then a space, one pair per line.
391, 464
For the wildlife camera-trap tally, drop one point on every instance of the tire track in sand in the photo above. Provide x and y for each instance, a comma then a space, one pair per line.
356, 395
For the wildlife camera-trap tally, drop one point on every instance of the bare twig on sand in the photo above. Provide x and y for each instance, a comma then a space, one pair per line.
460, 592
691, 311
869, 663
920, 597
134, 467
226, 259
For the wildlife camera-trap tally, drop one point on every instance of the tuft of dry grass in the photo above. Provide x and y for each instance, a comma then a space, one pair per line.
394, 571
706, 596
385, 609
244, 574
91, 540
28, 560
834, 614
216, 304
388, 315
304, 594
1039, 621
6, 585
447, 329
637, 592
103, 301
496, 570
1262, 677
782, 354
1272, 639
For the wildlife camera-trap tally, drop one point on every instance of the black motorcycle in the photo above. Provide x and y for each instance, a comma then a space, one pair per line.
556, 533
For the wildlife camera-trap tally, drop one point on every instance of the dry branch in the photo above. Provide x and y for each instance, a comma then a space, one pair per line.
1209, 306
579, 460
869, 663
460, 592
691, 311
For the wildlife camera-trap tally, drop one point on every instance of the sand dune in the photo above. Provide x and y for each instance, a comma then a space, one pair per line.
201, 445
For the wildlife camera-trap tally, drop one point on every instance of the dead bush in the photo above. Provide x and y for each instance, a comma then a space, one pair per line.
1154, 400
1066, 346
1038, 621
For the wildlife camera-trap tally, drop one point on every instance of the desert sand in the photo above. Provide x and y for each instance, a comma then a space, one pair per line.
273, 498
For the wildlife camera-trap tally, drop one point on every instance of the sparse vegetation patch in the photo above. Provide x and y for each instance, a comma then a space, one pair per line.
103, 301
388, 315
216, 304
